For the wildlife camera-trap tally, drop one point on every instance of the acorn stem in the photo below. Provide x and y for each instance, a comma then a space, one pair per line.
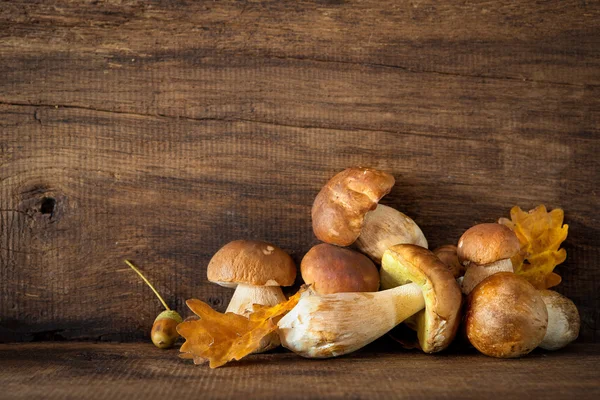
148, 283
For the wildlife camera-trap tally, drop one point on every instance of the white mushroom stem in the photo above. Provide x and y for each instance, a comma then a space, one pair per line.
563, 321
322, 326
385, 227
476, 273
247, 295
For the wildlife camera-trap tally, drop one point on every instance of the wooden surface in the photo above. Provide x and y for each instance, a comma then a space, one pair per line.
140, 371
159, 131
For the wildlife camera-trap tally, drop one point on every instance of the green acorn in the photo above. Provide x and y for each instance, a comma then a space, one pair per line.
164, 333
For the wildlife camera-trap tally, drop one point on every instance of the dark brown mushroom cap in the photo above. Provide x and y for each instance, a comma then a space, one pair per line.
506, 316
331, 269
438, 322
487, 243
251, 262
339, 209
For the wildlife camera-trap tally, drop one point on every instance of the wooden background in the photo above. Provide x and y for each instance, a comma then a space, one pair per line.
160, 130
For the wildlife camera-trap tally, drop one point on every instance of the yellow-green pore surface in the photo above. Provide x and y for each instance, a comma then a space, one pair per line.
436, 325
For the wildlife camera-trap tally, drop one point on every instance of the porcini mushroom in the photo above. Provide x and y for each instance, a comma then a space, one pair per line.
436, 325
331, 269
256, 270
346, 211
331, 325
506, 316
484, 250
448, 255
563, 320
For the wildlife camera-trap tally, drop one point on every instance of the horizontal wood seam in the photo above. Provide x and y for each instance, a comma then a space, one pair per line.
433, 72
199, 119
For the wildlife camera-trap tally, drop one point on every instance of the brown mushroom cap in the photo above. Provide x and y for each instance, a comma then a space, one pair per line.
486, 243
438, 322
339, 209
448, 255
251, 262
506, 316
332, 269
563, 320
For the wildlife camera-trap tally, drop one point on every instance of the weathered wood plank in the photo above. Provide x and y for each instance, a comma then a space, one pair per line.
91, 371
549, 41
161, 130
168, 193
305, 94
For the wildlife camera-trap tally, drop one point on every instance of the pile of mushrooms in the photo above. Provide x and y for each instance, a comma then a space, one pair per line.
416, 284
342, 310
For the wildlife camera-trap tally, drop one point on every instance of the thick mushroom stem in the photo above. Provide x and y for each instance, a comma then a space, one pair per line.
385, 227
246, 295
332, 325
476, 273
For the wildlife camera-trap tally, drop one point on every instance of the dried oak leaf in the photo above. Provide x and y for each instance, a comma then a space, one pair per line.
220, 338
541, 234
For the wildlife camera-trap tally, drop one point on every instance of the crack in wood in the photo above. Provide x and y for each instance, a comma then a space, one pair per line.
21, 251
36, 116
16, 211
200, 119
433, 72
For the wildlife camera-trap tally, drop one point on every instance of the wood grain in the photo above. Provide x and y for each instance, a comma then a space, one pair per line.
99, 371
159, 131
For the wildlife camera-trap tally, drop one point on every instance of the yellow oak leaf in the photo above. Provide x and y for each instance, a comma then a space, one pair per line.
540, 233
219, 338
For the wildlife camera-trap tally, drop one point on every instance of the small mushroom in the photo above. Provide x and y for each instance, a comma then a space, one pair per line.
484, 250
331, 325
256, 270
331, 269
506, 316
563, 320
346, 211
448, 255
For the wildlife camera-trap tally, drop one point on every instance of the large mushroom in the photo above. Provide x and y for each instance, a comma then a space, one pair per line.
256, 270
346, 211
484, 250
335, 324
506, 316
331, 269
437, 323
